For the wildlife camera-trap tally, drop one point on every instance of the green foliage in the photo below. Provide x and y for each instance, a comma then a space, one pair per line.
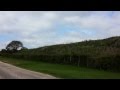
62, 71
101, 54
14, 45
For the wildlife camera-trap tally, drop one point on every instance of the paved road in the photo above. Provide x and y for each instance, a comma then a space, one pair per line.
8, 71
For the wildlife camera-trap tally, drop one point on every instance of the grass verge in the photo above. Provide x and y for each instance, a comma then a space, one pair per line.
62, 71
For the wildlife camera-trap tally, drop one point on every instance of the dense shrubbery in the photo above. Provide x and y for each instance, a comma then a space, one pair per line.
100, 54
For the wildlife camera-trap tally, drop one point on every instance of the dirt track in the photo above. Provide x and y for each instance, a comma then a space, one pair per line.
8, 71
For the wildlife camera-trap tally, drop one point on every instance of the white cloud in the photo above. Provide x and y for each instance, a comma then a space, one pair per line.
39, 28
99, 22
22, 21
93, 21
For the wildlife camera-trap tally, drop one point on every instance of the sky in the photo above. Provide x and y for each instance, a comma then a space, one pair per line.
42, 28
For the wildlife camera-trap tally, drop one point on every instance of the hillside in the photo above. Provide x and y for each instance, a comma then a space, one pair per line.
109, 46
100, 54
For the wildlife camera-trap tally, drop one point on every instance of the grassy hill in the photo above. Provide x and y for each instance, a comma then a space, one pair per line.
101, 54
86, 47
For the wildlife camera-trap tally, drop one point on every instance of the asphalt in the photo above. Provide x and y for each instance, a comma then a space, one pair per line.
8, 71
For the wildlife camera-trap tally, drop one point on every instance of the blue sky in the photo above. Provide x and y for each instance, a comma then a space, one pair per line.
41, 28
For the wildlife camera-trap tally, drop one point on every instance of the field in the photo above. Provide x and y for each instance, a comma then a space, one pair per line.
62, 71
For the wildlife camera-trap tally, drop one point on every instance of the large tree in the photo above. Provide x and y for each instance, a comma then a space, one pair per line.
14, 45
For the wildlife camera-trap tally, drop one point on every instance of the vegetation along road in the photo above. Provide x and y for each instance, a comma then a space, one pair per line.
57, 70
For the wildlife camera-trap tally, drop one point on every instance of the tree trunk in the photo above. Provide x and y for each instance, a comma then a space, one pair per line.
64, 59
87, 63
70, 59
79, 62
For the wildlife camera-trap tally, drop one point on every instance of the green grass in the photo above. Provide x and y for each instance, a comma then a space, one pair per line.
62, 71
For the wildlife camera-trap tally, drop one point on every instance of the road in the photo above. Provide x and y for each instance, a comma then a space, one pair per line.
8, 71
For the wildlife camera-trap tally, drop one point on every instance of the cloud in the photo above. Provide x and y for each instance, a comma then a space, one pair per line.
102, 23
26, 23
39, 28
90, 22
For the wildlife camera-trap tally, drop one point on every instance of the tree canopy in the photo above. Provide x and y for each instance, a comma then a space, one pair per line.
14, 45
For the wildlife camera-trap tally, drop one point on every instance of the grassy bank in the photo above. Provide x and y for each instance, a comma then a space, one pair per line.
62, 71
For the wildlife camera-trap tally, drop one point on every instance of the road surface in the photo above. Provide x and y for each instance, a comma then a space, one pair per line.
8, 71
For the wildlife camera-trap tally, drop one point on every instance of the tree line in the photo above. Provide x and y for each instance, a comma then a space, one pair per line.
100, 54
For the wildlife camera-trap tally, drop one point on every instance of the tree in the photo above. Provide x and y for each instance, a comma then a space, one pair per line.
24, 48
3, 50
14, 46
